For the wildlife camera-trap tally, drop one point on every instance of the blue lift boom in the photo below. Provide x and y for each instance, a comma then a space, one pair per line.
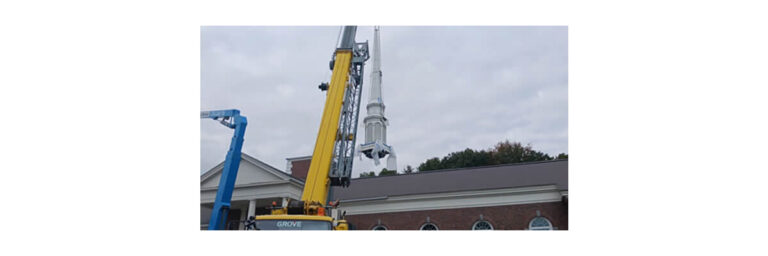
230, 118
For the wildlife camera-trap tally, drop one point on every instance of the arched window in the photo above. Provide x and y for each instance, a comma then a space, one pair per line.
540, 223
379, 227
428, 226
482, 225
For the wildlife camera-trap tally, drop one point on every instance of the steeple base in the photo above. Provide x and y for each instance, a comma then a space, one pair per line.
372, 149
378, 150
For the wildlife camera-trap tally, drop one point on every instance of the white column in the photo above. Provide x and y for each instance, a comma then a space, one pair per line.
285, 202
251, 209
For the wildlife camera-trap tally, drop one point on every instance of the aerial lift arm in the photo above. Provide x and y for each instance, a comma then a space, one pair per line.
230, 118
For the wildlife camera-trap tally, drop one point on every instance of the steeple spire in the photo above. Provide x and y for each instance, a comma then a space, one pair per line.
375, 145
376, 74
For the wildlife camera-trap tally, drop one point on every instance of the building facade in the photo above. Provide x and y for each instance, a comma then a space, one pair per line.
503, 197
525, 196
257, 186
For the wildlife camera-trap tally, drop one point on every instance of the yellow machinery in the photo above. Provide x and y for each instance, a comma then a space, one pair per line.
334, 148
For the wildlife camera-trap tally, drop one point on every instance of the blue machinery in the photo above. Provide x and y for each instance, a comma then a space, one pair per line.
230, 118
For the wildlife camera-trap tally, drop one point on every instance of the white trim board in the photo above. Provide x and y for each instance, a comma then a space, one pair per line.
454, 200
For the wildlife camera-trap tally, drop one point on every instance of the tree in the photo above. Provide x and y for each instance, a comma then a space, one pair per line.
502, 153
385, 172
408, 169
506, 153
431, 164
367, 174
466, 158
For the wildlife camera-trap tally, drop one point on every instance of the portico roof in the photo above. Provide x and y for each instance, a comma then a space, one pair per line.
245, 157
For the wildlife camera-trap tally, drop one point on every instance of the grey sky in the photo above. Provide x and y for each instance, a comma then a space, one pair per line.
445, 89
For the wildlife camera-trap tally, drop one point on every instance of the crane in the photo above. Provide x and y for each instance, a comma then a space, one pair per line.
230, 118
332, 157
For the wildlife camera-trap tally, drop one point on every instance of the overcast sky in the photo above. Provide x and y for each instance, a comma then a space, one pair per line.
445, 89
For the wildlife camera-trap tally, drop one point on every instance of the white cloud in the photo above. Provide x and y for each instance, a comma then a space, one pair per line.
446, 88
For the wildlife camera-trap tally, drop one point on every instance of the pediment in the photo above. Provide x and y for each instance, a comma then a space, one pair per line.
250, 171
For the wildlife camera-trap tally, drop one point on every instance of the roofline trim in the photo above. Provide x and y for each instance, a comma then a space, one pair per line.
299, 158
463, 193
243, 156
364, 199
478, 192
465, 168
451, 202
257, 184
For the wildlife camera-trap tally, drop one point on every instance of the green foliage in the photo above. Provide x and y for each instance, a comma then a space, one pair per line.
367, 174
408, 169
502, 153
506, 152
431, 164
385, 172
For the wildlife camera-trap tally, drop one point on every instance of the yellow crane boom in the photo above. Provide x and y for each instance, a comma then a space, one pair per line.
317, 184
334, 148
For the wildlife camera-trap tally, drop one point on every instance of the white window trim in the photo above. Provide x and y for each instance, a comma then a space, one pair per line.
429, 223
477, 222
530, 227
380, 226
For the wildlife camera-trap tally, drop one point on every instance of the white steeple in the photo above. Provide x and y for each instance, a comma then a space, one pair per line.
375, 94
375, 145
375, 122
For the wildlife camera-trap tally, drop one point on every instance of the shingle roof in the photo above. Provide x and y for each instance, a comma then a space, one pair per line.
453, 180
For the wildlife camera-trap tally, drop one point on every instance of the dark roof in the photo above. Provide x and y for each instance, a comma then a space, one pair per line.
452, 180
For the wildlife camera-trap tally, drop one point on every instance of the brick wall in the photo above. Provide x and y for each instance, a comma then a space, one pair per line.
299, 168
510, 217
